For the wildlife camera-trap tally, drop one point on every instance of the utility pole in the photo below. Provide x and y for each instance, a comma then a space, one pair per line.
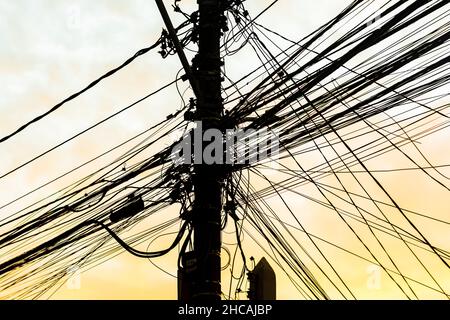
203, 281
208, 179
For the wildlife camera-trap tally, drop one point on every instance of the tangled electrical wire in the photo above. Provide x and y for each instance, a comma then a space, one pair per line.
355, 90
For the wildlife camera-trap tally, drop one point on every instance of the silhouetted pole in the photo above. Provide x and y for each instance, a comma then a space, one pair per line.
203, 281
208, 179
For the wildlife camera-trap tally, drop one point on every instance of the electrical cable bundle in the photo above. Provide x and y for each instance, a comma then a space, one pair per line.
366, 85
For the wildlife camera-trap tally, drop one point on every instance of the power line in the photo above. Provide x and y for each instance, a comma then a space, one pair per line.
89, 128
77, 94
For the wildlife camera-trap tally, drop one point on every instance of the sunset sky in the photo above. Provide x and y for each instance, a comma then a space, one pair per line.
50, 49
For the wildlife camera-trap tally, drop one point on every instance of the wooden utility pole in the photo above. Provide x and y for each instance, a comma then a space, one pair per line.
208, 179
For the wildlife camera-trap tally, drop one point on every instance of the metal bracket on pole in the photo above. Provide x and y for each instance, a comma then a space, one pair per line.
177, 44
